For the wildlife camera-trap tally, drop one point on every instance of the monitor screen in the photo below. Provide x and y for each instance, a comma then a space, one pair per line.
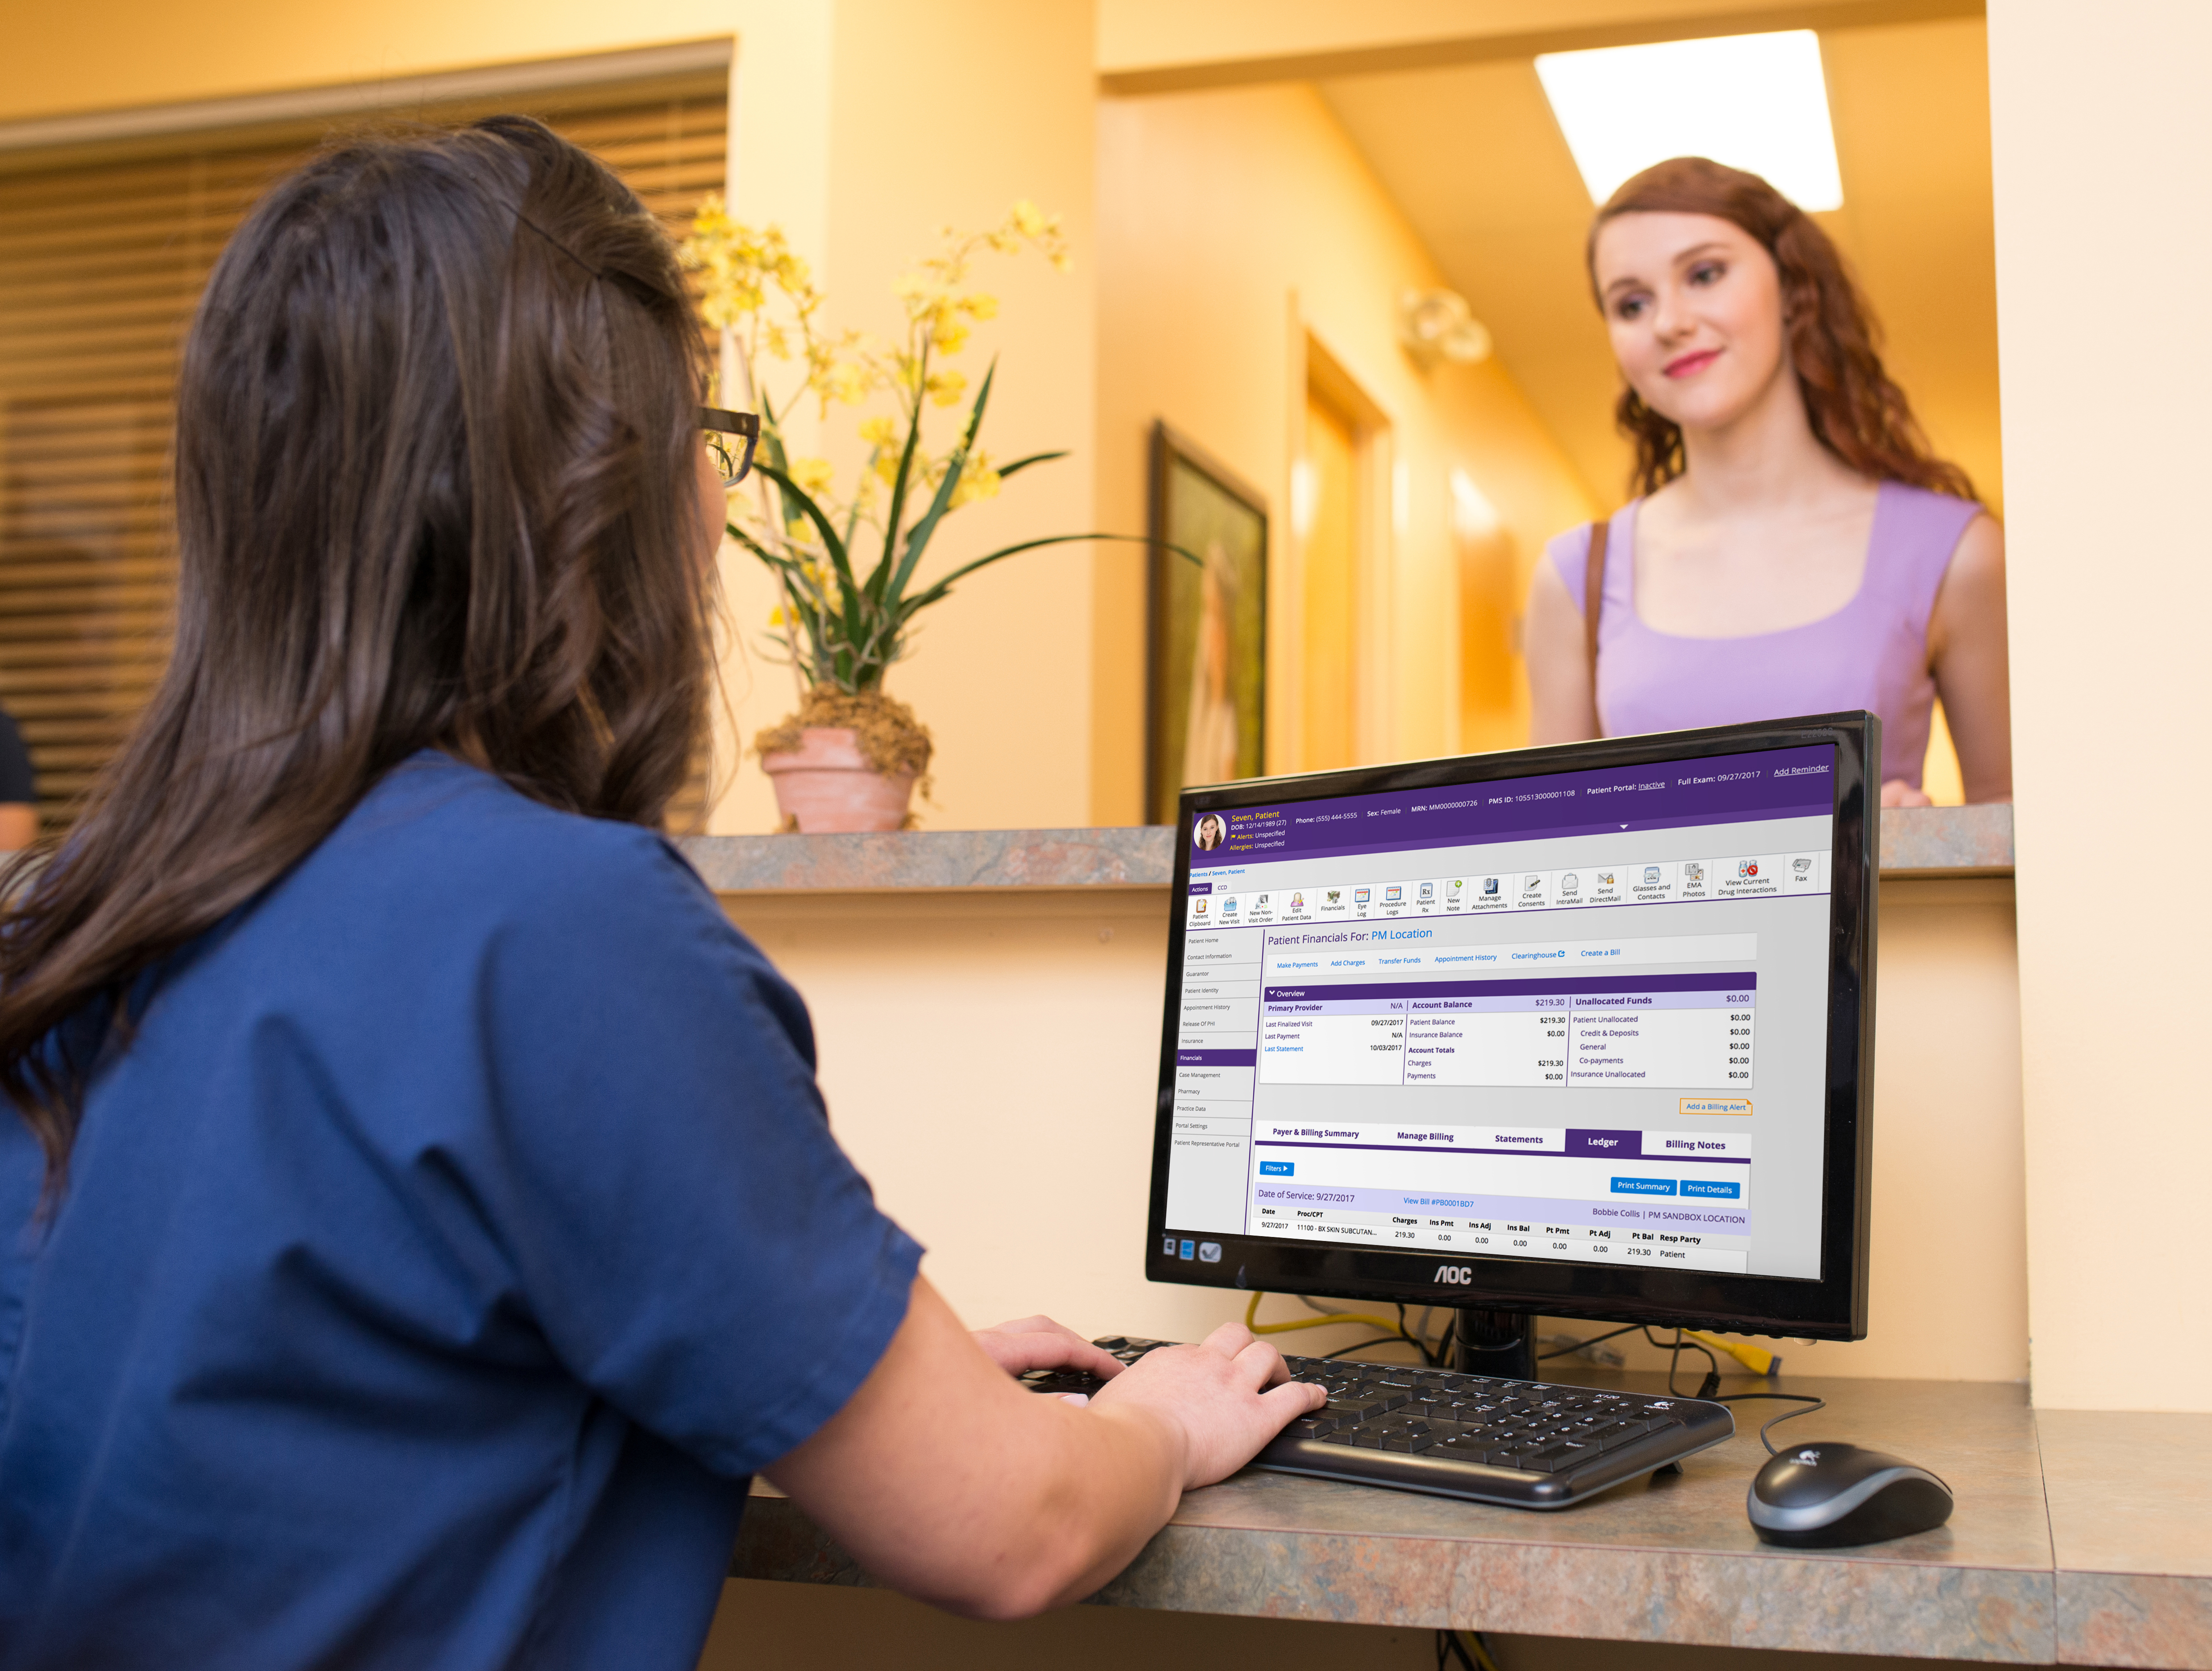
1551, 1025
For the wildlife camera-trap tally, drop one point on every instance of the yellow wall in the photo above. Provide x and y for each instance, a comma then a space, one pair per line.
946, 115
2103, 143
1032, 1199
862, 125
1230, 224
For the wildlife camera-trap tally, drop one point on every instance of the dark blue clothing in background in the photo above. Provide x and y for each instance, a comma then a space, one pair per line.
459, 1232
18, 783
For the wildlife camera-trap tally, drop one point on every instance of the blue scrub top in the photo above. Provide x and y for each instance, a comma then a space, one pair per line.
461, 1230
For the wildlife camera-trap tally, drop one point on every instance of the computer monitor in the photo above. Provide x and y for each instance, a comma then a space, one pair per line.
1583, 1032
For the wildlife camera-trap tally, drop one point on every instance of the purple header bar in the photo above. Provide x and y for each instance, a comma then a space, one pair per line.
1773, 783
1742, 980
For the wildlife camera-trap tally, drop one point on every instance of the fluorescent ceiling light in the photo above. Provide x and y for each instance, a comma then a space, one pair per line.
1752, 101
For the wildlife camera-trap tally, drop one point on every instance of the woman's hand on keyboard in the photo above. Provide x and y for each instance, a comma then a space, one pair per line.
1039, 1343
1226, 1396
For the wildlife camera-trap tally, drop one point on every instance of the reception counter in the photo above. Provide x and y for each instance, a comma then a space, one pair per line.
2078, 1539
988, 1010
1921, 843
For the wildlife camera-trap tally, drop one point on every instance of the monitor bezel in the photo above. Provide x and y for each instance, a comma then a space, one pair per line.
1833, 1306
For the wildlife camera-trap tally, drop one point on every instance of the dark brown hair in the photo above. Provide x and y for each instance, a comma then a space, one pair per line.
1856, 411
434, 454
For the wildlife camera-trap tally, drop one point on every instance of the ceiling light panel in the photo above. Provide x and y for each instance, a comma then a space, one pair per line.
1753, 102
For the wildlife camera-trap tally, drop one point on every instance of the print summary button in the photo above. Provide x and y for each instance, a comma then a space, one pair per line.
1643, 1186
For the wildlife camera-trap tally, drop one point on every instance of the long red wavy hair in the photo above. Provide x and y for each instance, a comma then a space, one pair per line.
1857, 412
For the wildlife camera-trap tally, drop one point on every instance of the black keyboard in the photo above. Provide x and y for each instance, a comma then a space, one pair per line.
1526, 1444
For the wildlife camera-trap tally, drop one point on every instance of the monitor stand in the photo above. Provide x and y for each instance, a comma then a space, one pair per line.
1499, 1343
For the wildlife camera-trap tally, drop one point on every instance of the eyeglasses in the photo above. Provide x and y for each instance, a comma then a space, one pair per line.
731, 437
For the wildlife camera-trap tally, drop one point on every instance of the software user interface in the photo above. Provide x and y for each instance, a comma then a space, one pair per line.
1577, 1017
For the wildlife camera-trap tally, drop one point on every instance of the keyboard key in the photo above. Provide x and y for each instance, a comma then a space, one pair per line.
1357, 1410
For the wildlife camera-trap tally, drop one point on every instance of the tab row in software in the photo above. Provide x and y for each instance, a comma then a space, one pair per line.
1748, 876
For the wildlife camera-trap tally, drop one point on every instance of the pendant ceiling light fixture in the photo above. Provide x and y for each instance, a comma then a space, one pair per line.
1758, 102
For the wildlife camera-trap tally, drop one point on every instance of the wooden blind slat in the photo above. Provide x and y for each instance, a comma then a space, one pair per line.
102, 264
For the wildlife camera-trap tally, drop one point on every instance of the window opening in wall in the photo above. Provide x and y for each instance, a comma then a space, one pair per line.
102, 259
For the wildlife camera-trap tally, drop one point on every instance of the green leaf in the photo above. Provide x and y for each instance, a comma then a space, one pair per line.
836, 547
922, 600
897, 506
1005, 470
917, 539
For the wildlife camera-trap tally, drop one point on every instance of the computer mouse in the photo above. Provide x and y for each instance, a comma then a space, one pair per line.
1827, 1495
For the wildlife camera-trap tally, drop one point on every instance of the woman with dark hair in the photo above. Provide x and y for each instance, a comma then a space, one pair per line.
419, 1216
1796, 547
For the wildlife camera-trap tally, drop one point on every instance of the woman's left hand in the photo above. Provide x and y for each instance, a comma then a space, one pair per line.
1898, 792
1039, 1343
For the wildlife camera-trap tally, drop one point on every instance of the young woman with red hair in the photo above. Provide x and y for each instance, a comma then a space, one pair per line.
1796, 547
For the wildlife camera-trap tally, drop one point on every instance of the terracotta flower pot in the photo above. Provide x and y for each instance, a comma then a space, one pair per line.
826, 785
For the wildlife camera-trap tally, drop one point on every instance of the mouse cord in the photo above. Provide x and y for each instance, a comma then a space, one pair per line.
1711, 1382
1563, 1352
1810, 1403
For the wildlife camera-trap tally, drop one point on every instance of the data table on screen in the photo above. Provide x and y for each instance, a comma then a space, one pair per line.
1691, 1031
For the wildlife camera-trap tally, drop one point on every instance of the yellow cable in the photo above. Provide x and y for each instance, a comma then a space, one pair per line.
1481, 1654
1252, 1311
1757, 1359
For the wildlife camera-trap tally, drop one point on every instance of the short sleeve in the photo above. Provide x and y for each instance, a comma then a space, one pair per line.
689, 1236
17, 783
1569, 555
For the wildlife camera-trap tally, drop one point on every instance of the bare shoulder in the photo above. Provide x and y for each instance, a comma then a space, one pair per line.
1970, 603
1979, 557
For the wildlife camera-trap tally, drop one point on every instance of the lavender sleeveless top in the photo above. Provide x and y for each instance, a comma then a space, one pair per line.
1871, 654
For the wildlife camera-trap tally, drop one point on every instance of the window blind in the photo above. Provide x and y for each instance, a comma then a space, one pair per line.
102, 259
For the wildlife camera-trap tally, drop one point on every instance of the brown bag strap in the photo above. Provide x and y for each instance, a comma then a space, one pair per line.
1594, 599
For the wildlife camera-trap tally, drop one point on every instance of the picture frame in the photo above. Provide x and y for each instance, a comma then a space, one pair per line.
1206, 634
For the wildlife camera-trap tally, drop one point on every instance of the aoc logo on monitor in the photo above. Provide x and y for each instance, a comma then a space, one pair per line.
1207, 833
1455, 1274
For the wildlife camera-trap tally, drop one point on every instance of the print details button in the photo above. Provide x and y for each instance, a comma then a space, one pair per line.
1279, 1169
1643, 1186
1726, 1192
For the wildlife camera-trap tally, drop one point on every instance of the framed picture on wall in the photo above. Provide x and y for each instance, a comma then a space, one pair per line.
1205, 708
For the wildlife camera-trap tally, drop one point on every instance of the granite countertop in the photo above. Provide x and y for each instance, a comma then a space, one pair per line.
2113, 1566
1916, 842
